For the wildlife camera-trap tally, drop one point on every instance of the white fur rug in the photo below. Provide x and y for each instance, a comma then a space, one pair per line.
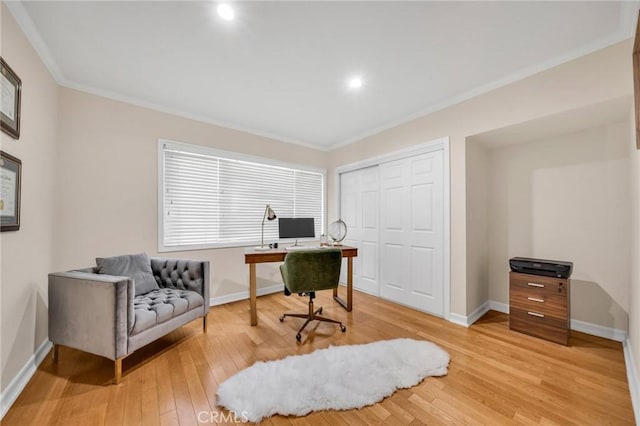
338, 378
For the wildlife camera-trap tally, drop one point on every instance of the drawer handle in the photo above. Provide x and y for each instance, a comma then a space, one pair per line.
535, 314
535, 285
535, 299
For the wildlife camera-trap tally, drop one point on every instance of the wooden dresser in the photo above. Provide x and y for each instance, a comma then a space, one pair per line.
540, 306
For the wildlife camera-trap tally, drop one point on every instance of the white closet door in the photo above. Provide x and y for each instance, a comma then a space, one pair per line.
412, 232
359, 210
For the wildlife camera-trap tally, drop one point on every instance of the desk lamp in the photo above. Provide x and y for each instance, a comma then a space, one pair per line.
269, 214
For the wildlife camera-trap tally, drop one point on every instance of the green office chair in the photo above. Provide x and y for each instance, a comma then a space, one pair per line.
307, 271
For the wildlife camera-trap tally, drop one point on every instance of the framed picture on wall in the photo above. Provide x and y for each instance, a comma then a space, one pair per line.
10, 189
11, 89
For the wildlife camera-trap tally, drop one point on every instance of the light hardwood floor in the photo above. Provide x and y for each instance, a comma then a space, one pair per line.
496, 376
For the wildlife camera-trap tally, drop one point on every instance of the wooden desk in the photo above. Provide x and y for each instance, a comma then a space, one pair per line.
252, 257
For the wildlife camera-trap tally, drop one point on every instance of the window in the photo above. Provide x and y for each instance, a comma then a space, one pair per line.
210, 198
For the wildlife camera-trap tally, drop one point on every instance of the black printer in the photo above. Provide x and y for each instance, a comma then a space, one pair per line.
548, 268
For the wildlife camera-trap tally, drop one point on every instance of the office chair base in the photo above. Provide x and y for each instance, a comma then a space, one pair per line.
311, 316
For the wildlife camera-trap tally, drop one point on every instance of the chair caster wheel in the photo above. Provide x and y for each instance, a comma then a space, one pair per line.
281, 318
343, 328
299, 337
320, 310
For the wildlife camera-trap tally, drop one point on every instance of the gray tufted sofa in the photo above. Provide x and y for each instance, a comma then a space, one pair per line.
100, 314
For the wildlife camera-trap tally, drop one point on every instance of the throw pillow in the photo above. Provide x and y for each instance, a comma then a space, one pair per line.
136, 266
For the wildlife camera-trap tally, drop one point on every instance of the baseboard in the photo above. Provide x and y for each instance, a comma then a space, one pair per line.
474, 316
244, 295
599, 330
632, 378
458, 319
17, 385
577, 325
498, 306
477, 313
465, 321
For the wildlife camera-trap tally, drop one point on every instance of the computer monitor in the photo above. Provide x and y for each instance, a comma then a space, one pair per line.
299, 227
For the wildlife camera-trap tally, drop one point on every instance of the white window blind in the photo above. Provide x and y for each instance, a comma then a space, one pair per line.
211, 200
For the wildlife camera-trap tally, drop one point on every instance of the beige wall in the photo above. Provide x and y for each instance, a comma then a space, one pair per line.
566, 198
27, 254
591, 79
105, 196
477, 175
103, 155
107, 192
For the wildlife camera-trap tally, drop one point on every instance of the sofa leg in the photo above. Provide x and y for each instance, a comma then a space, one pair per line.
204, 324
56, 355
118, 371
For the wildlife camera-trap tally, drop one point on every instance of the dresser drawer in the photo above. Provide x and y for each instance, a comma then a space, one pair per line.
547, 303
546, 327
540, 306
538, 284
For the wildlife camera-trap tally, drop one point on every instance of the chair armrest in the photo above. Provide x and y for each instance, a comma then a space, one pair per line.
91, 312
183, 273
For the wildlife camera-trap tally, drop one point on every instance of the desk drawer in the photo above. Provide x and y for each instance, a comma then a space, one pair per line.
540, 306
549, 328
538, 284
549, 304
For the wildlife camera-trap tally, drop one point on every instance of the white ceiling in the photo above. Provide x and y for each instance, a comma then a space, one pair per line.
280, 68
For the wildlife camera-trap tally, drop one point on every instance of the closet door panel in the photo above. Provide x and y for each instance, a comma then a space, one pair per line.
395, 264
412, 232
359, 209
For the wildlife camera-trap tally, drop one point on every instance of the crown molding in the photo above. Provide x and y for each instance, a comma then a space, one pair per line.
185, 114
628, 17
24, 21
512, 78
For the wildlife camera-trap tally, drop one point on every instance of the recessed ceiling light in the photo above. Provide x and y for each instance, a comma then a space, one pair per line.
225, 11
355, 83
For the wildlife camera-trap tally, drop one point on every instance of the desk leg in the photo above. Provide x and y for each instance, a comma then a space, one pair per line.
252, 293
348, 305
349, 284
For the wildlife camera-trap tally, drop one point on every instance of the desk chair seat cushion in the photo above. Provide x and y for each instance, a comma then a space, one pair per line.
310, 270
161, 305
